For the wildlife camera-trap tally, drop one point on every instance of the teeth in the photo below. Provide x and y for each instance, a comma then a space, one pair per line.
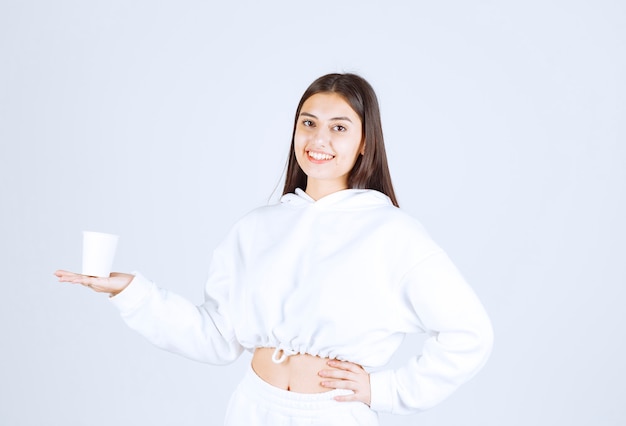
320, 156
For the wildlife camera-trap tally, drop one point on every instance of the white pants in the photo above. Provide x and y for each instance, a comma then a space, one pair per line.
257, 403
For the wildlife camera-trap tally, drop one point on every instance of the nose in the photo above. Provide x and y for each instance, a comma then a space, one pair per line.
322, 136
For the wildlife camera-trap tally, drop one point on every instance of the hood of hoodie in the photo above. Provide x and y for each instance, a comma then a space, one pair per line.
347, 199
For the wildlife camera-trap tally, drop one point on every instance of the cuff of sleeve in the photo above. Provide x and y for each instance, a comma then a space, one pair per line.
381, 386
133, 295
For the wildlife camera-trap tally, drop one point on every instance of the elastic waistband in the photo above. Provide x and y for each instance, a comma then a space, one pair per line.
261, 391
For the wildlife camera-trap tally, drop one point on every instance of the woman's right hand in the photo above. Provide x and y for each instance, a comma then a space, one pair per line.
112, 285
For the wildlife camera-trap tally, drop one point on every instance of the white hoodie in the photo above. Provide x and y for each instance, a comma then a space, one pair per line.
343, 277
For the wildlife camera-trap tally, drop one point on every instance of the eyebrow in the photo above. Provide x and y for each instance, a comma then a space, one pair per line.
306, 114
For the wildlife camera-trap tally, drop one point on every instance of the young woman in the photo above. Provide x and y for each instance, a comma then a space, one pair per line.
323, 286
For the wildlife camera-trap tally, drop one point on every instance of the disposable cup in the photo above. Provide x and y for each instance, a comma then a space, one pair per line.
98, 253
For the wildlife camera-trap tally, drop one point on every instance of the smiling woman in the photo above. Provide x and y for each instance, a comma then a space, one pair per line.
354, 101
327, 141
323, 286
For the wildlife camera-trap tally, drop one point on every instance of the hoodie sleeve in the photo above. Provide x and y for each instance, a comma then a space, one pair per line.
460, 341
203, 333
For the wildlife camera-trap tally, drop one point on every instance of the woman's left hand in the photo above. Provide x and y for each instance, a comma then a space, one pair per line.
348, 375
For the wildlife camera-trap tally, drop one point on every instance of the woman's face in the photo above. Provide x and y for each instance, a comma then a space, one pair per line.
327, 142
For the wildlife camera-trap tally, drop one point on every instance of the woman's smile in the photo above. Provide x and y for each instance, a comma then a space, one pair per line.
319, 157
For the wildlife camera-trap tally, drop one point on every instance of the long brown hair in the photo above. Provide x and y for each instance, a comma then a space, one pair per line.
371, 170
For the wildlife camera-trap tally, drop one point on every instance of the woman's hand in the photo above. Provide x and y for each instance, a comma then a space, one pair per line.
113, 284
348, 375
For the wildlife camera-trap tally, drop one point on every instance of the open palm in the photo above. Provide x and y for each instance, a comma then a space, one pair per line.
113, 284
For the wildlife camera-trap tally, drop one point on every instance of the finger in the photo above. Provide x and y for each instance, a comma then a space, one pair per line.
340, 384
359, 393
66, 276
345, 365
337, 374
348, 398
61, 274
94, 282
74, 278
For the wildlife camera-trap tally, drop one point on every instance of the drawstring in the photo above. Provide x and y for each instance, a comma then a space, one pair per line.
280, 355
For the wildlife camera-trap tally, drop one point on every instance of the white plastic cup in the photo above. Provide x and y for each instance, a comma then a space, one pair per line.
98, 253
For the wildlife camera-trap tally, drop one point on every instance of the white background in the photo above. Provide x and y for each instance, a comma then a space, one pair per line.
164, 122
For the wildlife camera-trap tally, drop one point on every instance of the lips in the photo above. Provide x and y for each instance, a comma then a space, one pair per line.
320, 156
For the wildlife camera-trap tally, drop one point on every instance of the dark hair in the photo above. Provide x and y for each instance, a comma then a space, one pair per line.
370, 170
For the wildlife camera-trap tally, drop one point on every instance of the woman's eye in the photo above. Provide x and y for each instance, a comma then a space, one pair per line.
307, 123
339, 128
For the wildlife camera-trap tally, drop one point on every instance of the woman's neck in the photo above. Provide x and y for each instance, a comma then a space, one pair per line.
319, 189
